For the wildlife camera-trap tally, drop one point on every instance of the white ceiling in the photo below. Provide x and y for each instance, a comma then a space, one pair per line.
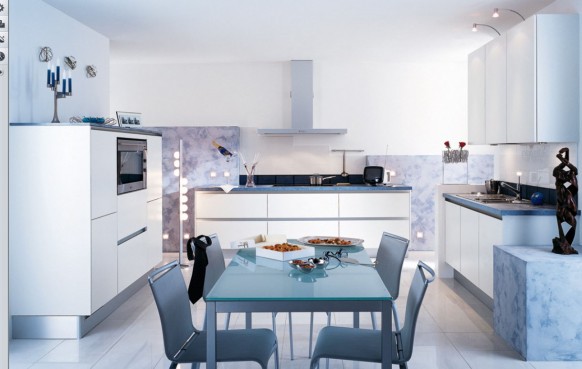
277, 30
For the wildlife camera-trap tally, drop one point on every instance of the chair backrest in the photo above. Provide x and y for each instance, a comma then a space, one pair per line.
171, 297
415, 296
389, 261
216, 264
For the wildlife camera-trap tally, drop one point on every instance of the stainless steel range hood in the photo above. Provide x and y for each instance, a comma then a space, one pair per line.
302, 104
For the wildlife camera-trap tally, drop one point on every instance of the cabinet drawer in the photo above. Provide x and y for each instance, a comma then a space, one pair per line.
371, 230
132, 261
229, 231
305, 205
374, 205
301, 228
220, 205
103, 173
131, 212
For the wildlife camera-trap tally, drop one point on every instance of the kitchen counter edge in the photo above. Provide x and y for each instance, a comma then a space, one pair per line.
270, 189
500, 210
93, 126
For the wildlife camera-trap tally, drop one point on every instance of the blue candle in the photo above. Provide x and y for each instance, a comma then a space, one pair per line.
70, 84
53, 79
48, 76
64, 85
58, 73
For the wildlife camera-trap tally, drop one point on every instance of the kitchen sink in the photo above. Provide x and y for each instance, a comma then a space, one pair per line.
493, 198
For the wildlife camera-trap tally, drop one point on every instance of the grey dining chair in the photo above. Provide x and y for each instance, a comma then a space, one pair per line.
359, 344
217, 266
389, 261
183, 343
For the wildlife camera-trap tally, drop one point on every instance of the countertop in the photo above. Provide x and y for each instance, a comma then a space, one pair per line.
272, 188
93, 126
499, 210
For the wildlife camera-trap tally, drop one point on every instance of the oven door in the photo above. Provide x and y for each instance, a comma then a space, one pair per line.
131, 165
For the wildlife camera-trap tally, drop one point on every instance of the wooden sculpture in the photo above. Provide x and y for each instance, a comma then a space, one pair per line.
566, 190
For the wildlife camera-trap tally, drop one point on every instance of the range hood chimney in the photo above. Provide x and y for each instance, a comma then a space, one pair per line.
301, 104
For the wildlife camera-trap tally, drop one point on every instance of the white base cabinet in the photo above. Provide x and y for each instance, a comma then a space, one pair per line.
470, 237
65, 225
239, 215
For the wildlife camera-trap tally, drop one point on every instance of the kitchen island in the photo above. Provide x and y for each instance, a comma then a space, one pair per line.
358, 211
473, 227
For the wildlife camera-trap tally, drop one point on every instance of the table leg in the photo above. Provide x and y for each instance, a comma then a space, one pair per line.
387, 334
248, 320
356, 319
211, 335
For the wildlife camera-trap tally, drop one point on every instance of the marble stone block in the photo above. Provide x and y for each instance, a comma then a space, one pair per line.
537, 302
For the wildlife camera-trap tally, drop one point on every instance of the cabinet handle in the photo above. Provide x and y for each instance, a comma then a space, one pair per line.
134, 234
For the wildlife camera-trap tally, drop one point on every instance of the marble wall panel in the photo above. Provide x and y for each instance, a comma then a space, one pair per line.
199, 159
424, 173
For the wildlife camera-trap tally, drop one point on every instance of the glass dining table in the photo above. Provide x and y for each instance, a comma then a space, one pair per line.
253, 284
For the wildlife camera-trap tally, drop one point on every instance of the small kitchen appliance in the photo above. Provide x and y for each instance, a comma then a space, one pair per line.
373, 175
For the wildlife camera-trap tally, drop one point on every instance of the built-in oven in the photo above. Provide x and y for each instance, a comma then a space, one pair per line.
131, 165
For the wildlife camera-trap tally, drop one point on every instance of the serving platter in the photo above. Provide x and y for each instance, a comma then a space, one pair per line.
330, 241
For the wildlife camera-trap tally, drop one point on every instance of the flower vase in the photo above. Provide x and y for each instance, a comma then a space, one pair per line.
250, 175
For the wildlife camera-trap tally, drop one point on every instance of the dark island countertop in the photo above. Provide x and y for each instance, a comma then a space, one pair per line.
499, 210
299, 189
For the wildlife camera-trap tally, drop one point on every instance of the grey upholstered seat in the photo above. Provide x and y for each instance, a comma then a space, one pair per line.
365, 344
389, 261
185, 344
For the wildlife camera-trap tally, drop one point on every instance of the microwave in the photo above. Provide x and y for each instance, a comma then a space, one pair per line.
131, 165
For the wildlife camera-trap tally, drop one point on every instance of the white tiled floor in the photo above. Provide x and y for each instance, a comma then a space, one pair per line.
454, 331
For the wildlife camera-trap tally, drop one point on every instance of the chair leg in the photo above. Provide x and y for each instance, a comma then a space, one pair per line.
277, 356
396, 321
374, 326
174, 365
273, 316
403, 366
195, 366
291, 336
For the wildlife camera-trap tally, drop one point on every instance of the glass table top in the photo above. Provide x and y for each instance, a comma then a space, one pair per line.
252, 278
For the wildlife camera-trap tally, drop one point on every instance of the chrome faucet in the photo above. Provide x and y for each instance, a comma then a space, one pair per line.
516, 190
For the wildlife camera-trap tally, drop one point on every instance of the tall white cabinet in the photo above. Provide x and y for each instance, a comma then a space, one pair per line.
524, 85
66, 261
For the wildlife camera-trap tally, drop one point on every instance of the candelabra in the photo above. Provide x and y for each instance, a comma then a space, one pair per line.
53, 81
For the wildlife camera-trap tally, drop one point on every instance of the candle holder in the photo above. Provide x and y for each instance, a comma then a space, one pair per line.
54, 80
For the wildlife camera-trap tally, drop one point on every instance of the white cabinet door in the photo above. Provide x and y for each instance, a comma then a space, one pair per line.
558, 73
476, 101
303, 205
154, 168
470, 245
374, 205
521, 82
103, 173
453, 235
302, 228
232, 205
490, 233
371, 230
132, 261
154, 232
103, 260
495, 91
231, 230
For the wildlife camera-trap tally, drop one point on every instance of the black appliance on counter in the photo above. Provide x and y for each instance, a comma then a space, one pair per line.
373, 175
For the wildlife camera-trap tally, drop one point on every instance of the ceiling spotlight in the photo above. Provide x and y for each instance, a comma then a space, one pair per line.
483, 25
496, 13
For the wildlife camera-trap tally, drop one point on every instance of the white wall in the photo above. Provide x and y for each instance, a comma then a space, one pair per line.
413, 108
34, 24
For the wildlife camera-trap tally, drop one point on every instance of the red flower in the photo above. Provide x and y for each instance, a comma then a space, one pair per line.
462, 144
447, 145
